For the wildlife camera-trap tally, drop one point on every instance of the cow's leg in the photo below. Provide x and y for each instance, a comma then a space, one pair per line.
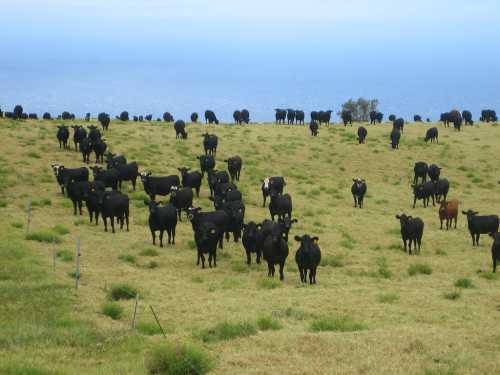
105, 219
153, 234
161, 237
282, 276
249, 258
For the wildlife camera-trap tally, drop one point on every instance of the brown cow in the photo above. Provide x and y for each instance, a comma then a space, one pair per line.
448, 211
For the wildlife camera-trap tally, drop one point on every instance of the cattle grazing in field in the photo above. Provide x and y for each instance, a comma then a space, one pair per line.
448, 210
206, 236
275, 251
280, 115
113, 204
480, 225
280, 205
290, 116
417, 118
307, 257
392, 118
219, 218
272, 184
313, 127
210, 142
324, 117
180, 129
108, 177
245, 116
127, 172
167, 117
467, 117
104, 119
94, 134
399, 124
395, 137
299, 117
194, 117
181, 199
66, 175
358, 190
210, 117
346, 117
99, 149
62, 136
113, 160
86, 149
249, 239
162, 218
424, 192
412, 230
238, 119
234, 164
432, 135
495, 249
434, 172
79, 134
488, 115
455, 117
158, 185
420, 171
362, 133
191, 179
441, 188
207, 163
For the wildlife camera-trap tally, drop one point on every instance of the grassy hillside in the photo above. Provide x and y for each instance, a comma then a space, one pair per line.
375, 310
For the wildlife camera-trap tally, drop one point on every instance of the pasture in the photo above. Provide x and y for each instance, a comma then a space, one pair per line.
374, 309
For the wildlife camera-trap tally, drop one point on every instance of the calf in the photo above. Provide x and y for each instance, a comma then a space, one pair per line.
220, 218
162, 219
79, 133
191, 179
182, 199
109, 177
358, 191
280, 205
420, 169
495, 249
127, 172
180, 129
424, 192
432, 135
207, 163
307, 257
113, 204
434, 172
154, 186
448, 210
480, 225
395, 137
66, 175
234, 164
86, 149
210, 142
62, 136
412, 230
362, 133
249, 239
206, 235
313, 127
441, 188
275, 251
272, 184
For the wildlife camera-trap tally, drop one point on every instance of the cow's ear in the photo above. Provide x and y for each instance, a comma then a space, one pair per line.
295, 221
463, 212
353, 180
398, 217
475, 212
492, 235
298, 238
244, 226
409, 217
315, 239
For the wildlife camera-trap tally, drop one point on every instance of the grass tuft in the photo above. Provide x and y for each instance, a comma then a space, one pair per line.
453, 295
464, 283
148, 328
228, 331
149, 252
113, 310
343, 323
419, 268
269, 283
268, 324
174, 359
65, 255
44, 236
388, 297
122, 291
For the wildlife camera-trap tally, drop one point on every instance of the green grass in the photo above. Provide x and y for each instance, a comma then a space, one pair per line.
178, 359
332, 261
122, 291
453, 295
44, 236
148, 328
269, 283
342, 323
128, 258
227, 331
65, 255
149, 252
113, 310
60, 229
464, 283
388, 297
267, 323
419, 268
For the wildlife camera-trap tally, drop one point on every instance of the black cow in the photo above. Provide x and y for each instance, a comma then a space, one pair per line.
236, 213
206, 235
299, 117
373, 117
417, 118
346, 117
412, 230
358, 191
216, 178
495, 249
324, 117
238, 118
399, 124
62, 136
86, 149
420, 169
441, 188
424, 192
313, 127
280, 115
113, 204
275, 251
434, 172
245, 116
467, 117
392, 118
94, 133
307, 257
180, 129
79, 134
272, 184
220, 218
456, 118
154, 186
445, 119
280, 205
127, 172
66, 175
249, 239
362, 133
286, 225
395, 137
162, 218
210, 117
167, 117
210, 142
480, 225
488, 115
113, 160
234, 164
78, 191
207, 163
104, 119
194, 117
108, 177
99, 149
191, 179
290, 116
182, 199
432, 135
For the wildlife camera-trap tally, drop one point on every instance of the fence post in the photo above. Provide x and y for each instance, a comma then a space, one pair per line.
135, 310
157, 321
28, 223
77, 275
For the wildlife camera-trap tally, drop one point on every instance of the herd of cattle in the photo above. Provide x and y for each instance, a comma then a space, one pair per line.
268, 239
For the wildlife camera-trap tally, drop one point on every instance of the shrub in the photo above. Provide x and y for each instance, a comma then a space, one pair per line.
268, 324
453, 295
65, 255
113, 310
175, 359
421, 268
44, 236
342, 323
60, 229
228, 331
148, 328
464, 283
122, 291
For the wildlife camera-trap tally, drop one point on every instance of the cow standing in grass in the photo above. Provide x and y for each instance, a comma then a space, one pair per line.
162, 218
495, 249
307, 257
62, 136
480, 225
412, 230
448, 210
358, 190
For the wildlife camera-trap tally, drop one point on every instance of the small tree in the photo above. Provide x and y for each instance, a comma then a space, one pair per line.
360, 108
